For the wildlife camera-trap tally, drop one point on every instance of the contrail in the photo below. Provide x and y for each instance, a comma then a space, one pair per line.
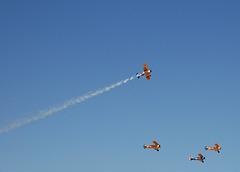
65, 105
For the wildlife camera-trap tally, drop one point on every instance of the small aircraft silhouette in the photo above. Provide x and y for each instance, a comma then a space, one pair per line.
146, 72
199, 158
216, 148
155, 146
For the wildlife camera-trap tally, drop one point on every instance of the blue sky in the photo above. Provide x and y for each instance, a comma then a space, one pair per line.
52, 51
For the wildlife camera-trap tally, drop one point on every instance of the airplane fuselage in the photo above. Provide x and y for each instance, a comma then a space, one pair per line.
139, 75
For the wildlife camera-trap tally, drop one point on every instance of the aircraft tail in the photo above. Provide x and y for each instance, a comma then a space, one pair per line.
137, 75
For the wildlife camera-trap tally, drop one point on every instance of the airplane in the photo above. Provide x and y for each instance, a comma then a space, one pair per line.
146, 72
199, 158
216, 148
155, 146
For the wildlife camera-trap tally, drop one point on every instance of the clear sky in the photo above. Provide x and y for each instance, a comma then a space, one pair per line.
53, 51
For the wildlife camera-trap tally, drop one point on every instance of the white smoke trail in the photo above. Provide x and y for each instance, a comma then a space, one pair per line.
68, 103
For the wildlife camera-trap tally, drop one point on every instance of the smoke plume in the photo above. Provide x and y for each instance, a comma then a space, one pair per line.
65, 105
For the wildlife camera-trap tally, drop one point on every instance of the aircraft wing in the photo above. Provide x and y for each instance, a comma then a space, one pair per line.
216, 145
155, 143
145, 68
200, 155
199, 159
148, 76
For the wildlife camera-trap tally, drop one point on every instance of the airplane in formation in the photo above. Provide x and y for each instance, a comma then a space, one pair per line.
199, 158
155, 146
145, 72
216, 148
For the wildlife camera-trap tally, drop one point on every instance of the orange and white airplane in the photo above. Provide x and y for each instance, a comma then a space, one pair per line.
146, 72
216, 148
155, 146
199, 158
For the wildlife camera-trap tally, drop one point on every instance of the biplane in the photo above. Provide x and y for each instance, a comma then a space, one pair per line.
155, 146
199, 158
146, 72
216, 148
